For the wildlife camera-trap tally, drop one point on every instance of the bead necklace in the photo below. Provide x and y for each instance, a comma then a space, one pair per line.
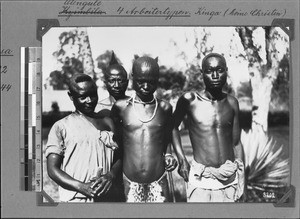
142, 102
138, 115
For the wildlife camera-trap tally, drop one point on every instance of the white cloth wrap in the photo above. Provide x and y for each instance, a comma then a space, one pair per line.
209, 177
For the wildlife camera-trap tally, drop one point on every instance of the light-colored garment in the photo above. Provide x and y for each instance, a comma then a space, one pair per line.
206, 184
105, 104
85, 150
156, 191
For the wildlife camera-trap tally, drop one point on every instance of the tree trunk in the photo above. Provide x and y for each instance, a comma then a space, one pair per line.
261, 96
262, 76
86, 53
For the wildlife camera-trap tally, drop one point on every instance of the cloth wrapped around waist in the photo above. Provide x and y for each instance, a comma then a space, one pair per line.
215, 178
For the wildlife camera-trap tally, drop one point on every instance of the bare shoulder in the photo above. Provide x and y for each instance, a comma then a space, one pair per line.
233, 101
108, 122
122, 104
185, 101
165, 105
189, 96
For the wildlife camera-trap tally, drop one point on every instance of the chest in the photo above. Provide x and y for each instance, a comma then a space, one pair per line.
80, 129
144, 118
211, 113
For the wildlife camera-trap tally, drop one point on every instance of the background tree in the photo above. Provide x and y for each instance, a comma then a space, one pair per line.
263, 71
280, 91
267, 169
170, 83
57, 80
192, 66
74, 55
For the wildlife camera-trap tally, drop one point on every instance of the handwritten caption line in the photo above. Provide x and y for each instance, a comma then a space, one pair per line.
95, 8
167, 13
91, 15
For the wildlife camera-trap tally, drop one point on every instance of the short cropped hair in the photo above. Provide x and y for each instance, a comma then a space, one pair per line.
214, 55
145, 64
77, 78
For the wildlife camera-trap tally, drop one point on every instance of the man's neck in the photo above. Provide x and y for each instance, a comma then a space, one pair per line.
86, 115
112, 98
214, 94
148, 100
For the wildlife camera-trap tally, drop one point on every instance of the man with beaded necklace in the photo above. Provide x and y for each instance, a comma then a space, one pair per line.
144, 125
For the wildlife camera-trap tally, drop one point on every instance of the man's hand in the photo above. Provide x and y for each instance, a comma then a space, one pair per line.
102, 184
170, 162
184, 170
87, 189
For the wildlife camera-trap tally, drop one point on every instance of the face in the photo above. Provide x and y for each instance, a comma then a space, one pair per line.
214, 73
85, 97
116, 83
145, 84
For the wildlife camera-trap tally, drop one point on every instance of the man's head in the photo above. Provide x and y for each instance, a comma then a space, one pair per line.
116, 79
145, 74
214, 71
83, 93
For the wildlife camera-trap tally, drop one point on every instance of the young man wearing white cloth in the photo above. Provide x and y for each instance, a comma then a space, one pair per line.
80, 147
216, 173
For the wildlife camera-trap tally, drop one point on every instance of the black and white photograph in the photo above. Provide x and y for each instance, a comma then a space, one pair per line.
157, 114
150, 109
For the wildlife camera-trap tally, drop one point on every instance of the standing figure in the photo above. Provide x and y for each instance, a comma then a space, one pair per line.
80, 147
216, 173
116, 81
144, 130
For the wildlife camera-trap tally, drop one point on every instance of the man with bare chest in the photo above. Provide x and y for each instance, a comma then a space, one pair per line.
216, 173
144, 126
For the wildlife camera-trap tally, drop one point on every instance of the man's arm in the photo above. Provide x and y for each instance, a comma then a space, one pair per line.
54, 162
178, 115
116, 120
104, 182
238, 151
236, 132
170, 161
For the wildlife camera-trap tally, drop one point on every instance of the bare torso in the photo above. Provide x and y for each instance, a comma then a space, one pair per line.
144, 143
210, 128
